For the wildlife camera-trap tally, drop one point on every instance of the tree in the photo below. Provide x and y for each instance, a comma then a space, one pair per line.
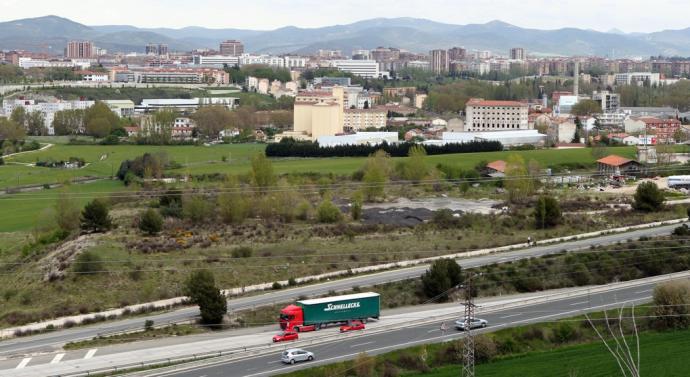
547, 213
19, 116
517, 181
262, 172
442, 276
88, 263
201, 290
35, 124
95, 217
356, 208
66, 213
586, 107
69, 122
157, 129
233, 206
11, 130
99, 120
648, 197
415, 168
151, 222
376, 173
327, 212
211, 120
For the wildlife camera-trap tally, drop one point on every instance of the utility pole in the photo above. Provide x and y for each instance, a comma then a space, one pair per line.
468, 344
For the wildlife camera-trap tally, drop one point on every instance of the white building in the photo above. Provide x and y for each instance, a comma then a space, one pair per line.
638, 78
217, 60
180, 104
123, 108
48, 109
362, 68
496, 115
366, 138
610, 102
507, 138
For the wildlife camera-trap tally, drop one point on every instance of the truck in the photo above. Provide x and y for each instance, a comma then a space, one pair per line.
312, 315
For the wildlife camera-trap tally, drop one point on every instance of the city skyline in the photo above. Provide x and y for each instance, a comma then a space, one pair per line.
263, 14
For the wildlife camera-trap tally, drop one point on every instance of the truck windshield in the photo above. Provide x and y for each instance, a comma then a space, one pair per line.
285, 317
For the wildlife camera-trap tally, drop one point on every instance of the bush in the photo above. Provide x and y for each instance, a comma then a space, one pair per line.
277, 286
443, 275
564, 333
648, 197
88, 263
547, 213
484, 349
201, 289
444, 219
683, 230
327, 212
95, 217
242, 252
671, 302
356, 208
148, 325
364, 365
196, 208
151, 222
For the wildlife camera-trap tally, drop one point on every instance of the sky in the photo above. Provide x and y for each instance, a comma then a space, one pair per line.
602, 15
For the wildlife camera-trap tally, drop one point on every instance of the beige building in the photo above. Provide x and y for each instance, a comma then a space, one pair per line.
419, 100
361, 119
496, 115
318, 114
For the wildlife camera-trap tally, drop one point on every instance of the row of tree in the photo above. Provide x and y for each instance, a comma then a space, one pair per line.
289, 147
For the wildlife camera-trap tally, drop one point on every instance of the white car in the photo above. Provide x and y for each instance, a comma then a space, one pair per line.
475, 323
296, 355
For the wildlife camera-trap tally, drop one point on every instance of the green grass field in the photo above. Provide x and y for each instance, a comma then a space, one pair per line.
104, 160
663, 355
20, 211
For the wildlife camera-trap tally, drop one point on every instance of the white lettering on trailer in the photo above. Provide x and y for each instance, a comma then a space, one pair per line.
332, 307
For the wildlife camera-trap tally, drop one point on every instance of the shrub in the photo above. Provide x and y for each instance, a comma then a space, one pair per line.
565, 332
443, 275
683, 230
196, 208
151, 222
547, 213
88, 263
444, 219
95, 217
201, 289
277, 286
304, 211
484, 349
292, 282
327, 212
364, 365
356, 208
671, 302
148, 325
242, 252
648, 197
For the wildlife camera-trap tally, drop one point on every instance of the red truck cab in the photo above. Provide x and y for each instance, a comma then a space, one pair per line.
292, 318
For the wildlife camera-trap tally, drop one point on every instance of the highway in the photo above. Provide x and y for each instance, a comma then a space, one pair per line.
49, 342
349, 348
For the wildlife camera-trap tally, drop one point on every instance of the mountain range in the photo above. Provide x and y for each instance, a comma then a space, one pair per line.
51, 34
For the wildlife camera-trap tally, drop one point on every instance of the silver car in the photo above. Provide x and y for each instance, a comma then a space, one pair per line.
475, 323
296, 355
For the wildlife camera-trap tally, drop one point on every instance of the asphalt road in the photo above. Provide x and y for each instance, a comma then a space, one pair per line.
51, 341
349, 348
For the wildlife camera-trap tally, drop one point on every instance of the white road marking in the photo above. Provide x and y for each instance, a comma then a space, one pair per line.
90, 353
645, 291
579, 303
273, 362
361, 344
57, 358
23, 363
511, 316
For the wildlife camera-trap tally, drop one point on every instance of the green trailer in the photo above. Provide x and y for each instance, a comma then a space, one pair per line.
361, 306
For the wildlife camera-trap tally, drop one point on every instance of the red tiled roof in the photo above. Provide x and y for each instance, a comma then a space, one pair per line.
499, 166
650, 120
614, 160
481, 102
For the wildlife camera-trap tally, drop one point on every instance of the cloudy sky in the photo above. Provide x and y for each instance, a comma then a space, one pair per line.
603, 15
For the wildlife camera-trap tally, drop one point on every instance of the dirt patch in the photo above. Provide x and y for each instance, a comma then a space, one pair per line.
58, 261
410, 212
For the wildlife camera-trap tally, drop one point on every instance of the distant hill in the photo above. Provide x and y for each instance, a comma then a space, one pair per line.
51, 33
